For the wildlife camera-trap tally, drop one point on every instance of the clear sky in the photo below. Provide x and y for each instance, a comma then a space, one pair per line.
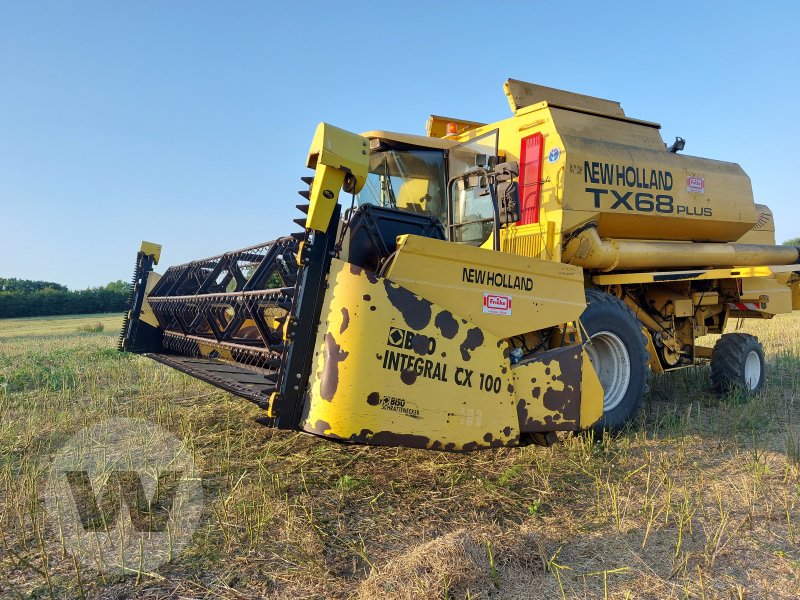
187, 123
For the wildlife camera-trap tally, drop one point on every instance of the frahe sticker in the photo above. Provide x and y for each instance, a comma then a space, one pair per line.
496, 304
696, 185
554, 155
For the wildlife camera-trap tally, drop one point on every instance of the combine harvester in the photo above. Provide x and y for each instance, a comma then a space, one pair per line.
490, 285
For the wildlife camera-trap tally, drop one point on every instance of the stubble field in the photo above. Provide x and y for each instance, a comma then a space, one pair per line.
700, 499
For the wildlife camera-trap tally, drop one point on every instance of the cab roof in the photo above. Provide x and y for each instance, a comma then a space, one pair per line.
407, 139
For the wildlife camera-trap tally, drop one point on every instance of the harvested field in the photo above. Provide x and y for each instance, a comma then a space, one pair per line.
700, 499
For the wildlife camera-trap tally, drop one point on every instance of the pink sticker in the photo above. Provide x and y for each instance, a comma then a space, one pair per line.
496, 304
696, 185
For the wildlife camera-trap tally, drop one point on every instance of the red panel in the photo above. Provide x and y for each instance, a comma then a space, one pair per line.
530, 177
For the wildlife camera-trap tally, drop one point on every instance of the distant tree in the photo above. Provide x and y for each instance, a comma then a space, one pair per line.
28, 286
24, 298
120, 286
792, 242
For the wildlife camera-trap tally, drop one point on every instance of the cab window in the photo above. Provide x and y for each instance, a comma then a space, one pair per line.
412, 180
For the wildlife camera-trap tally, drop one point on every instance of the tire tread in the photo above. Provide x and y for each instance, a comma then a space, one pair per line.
615, 305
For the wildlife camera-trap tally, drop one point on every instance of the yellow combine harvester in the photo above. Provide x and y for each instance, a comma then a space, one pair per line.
490, 285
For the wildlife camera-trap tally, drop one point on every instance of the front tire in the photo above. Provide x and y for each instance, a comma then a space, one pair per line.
737, 362
617, 349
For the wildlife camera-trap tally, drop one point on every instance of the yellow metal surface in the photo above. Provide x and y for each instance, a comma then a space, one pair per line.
335, 154
464, 279
146, 315
599, 165
774, 297
410, 139
763, 232
795, 288
437, 126
151, 249
393, 368
652, 360
694, 275
556, 374
587, 250
591, 399
521, 94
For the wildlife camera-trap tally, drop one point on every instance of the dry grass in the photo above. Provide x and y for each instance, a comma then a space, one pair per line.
699, 500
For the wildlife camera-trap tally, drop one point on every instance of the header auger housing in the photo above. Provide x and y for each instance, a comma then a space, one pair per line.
492, 285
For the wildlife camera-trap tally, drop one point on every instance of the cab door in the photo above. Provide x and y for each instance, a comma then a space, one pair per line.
470, 214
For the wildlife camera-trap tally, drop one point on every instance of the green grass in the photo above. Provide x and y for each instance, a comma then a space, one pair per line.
700, 499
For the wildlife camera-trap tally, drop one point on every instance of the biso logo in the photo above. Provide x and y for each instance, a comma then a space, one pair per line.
402, 338
125, 495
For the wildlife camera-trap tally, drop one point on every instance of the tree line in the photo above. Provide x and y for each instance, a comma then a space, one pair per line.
27, 298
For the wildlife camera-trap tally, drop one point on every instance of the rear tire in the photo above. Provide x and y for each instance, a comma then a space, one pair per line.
737, 362
617, 349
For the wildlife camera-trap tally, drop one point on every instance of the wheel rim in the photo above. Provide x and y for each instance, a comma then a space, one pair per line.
612, 364
752, 370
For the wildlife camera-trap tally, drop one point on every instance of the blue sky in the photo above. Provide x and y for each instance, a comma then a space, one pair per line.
187, 123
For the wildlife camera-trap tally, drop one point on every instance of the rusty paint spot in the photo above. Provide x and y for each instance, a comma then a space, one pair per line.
522, 414
444, 354
421, 344
331, 357
506, 431
389, 438
372, 308
345, 320
488, 438
356, 270
566, 402
446, 324
408, 376
374, 399
416, 311
367, 297
471, 342
503, 370
510, 388
320, 427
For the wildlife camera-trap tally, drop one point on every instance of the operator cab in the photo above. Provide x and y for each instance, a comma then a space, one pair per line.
436, 178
